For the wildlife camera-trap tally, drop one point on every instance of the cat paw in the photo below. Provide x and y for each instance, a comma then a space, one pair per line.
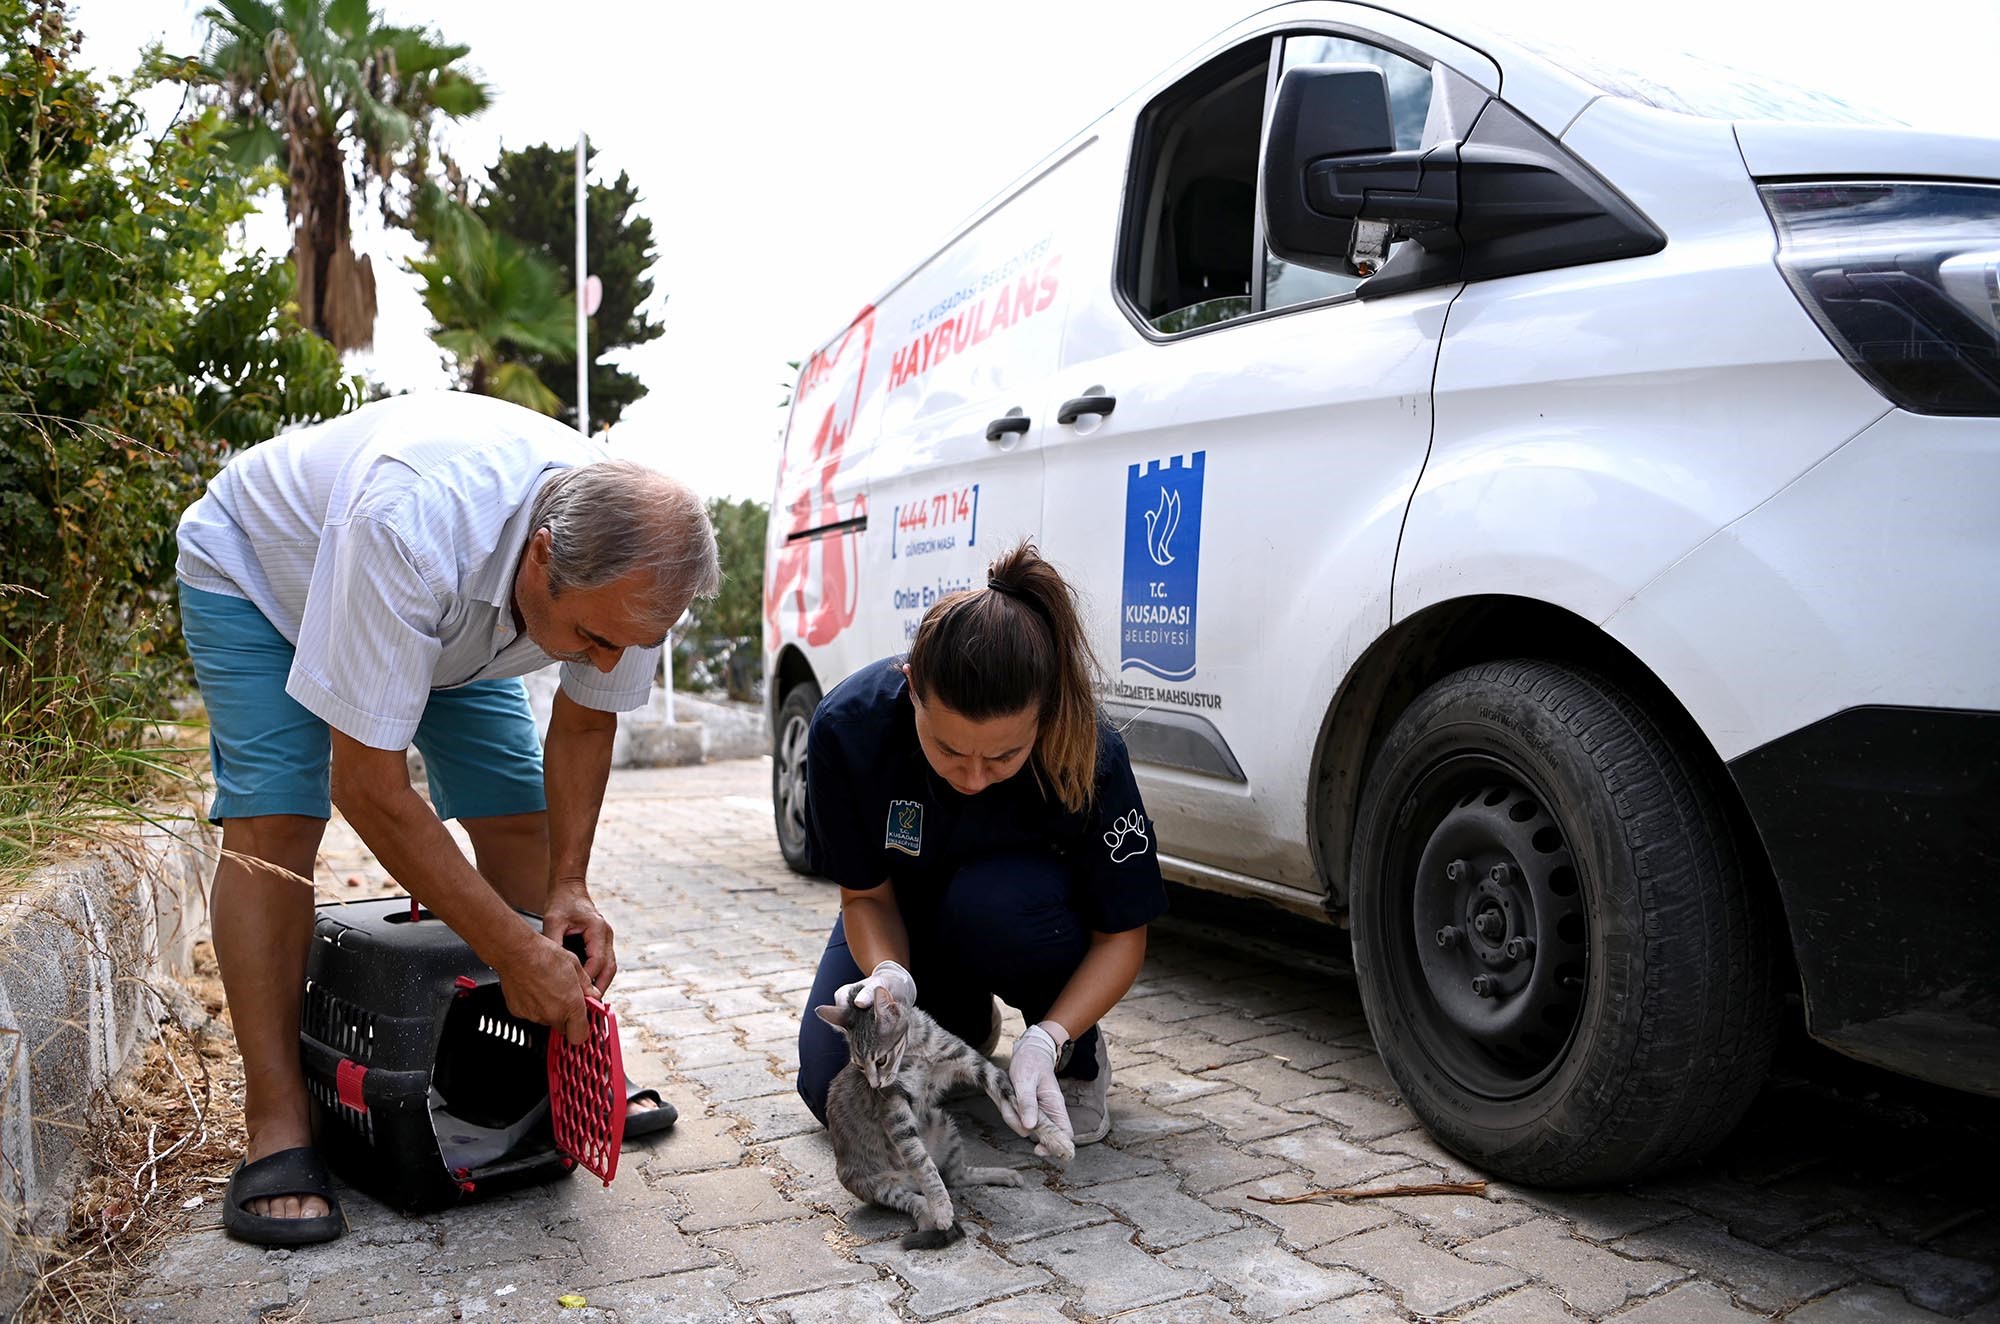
1051, 1141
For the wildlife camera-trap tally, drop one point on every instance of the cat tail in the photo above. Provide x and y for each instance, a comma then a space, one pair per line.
932, 1238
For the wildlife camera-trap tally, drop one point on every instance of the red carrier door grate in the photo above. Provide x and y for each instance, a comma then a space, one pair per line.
587, 1094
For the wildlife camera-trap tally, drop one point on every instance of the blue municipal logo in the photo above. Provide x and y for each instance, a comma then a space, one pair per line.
1156, 629
906, 827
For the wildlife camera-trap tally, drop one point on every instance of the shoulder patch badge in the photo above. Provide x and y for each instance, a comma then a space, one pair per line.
906, 827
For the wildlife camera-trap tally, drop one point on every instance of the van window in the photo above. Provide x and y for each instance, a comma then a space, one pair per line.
1192, 256
1409, 83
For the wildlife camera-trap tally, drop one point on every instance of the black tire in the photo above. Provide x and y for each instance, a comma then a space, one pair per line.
1527, 800
788, 773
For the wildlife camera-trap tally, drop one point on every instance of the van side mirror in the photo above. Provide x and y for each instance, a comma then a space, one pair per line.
1336, 190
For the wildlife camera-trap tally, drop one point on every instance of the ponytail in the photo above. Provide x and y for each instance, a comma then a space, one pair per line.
1015, 644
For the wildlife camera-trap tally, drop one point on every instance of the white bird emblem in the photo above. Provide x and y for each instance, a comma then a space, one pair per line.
1160, 526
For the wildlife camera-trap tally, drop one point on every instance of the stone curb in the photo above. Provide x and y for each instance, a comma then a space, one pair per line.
80, 945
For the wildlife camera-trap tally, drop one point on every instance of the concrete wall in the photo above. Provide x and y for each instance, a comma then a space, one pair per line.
82, 947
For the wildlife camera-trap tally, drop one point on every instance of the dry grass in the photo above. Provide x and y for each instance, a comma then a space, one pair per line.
167, 1143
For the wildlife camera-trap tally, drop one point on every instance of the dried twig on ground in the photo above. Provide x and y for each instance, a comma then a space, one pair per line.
1377, 1192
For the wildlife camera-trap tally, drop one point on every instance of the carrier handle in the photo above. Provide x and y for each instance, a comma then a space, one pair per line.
1000, 427
1072, 410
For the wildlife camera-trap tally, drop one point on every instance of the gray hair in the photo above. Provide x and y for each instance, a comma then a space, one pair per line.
612, 517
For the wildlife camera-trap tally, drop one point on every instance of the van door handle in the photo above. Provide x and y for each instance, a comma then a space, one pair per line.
1072, 410
1000, 427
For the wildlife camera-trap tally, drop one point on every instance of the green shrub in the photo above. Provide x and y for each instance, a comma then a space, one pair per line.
138, 346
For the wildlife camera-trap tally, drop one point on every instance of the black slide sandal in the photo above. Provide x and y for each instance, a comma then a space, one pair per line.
288, 1172
654, 1119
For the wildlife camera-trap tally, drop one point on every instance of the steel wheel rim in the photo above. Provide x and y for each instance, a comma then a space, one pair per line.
1489, 935
792, 780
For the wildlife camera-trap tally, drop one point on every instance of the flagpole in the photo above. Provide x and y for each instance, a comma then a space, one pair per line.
582, 325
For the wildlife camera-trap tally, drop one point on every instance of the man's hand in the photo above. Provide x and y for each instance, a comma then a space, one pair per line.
568, 910
1037, 1096
547, 985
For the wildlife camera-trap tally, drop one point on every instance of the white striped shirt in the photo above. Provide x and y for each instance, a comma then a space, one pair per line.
383, 545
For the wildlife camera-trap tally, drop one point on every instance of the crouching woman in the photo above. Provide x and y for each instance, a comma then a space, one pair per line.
980, 817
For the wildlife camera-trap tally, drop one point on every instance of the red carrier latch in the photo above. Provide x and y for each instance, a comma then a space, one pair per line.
587, 1094
347, 1081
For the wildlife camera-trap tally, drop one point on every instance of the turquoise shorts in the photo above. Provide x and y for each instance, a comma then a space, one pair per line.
481, 750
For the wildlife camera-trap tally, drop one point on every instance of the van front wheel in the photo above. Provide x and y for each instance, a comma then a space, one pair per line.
1563, 964
788, 773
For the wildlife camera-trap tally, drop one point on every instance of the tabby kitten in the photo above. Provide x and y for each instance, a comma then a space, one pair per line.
893, 1144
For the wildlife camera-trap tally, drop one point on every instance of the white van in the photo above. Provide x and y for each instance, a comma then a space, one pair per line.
1548, 525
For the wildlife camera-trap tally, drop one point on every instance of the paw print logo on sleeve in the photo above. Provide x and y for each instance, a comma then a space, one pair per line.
1127, 838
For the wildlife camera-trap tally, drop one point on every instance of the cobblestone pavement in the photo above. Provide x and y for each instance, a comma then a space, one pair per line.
1243, 1069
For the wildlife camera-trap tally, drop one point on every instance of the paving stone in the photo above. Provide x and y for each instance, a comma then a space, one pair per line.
961, 1275
781, 1259
1939, 1282
1134, 1027
1330, 1159
774, 1116
246, 1303
483, 1235
677, 1027
1272, 1282
1227, 1027
1204, 1165
1195, 1053
1430, 1281
811, 1158
713, 1050
856, 1303
1452, 1219
768, 1026
617, 1248
662, 997
1109, 1273
1309, 1223
1364, 1072
1164, 1084
1760, 1278
211, 1260
1241, 1117
731, 1197
1203, 1309
1863, 1305
1361, 1308
726, 1003
1033, 1308
1848, 1241
1272, 1081
1021, 1213
1302, 1052
1762, 1216
1690, 1303
1134, 1122
1096, 1164
1590, 1278
1598, 1217
1530, 1305
741, 1080
695, 1144
1417, 1144
1164, 1216
699, 1297
1169, 1007
1363, 1117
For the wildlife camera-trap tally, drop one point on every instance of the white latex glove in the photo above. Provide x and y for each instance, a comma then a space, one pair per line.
1037, 1096
887, 974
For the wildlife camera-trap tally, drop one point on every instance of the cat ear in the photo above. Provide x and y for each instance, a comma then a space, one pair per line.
836, 1016
884, 999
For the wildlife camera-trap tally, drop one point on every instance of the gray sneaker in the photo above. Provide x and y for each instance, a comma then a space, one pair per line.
1089, 1101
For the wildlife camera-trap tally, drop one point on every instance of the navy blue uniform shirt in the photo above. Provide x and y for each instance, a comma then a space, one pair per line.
876, 811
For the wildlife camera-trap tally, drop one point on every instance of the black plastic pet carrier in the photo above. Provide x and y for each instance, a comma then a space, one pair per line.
425, 1090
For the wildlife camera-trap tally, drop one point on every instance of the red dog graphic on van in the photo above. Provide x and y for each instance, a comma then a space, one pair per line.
833, 607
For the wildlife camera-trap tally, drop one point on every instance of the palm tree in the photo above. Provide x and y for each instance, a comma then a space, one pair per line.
338, 100
490, 295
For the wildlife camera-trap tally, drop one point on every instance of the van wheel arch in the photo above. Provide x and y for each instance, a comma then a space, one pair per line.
1448, 637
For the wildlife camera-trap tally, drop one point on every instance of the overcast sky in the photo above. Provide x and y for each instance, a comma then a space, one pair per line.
795, 158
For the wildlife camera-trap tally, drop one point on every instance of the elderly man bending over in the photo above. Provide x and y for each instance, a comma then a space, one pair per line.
383, 579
